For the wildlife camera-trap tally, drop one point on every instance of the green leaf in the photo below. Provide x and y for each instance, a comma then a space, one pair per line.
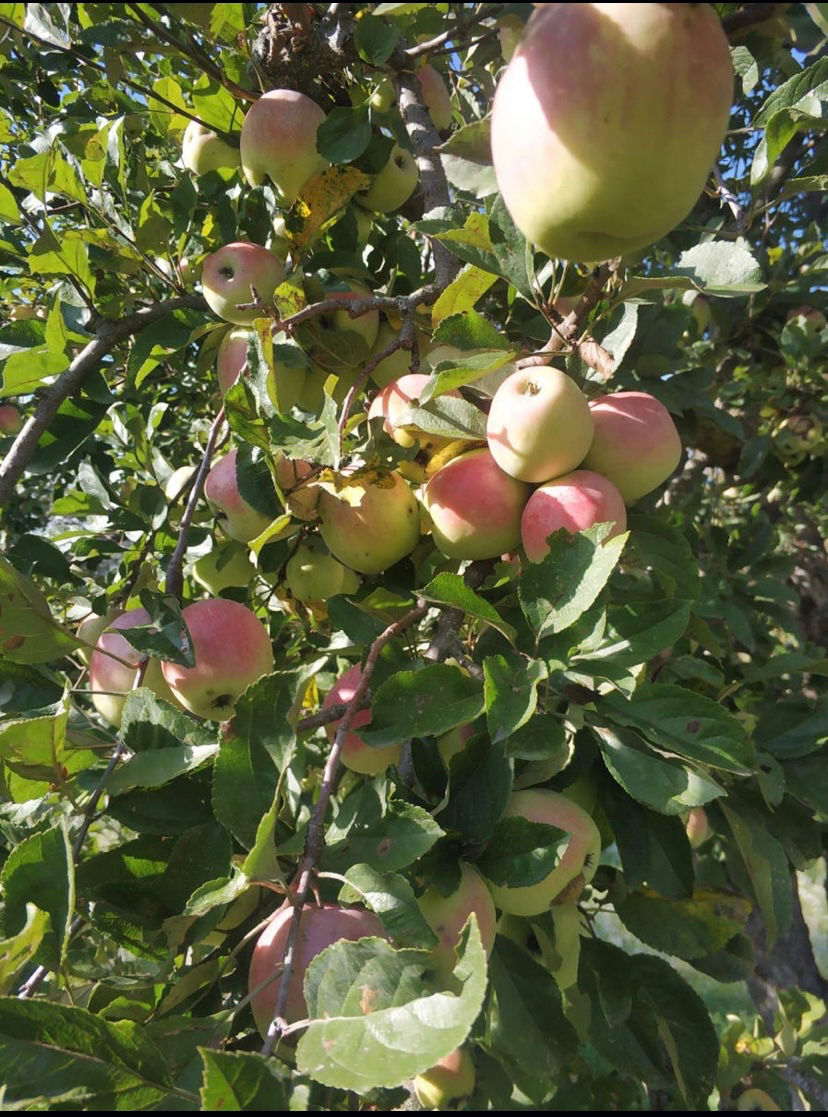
462, 293
447, 417
681, 721
8, 206
663, 549
385, 837
804, 779
521, 853
797, 103
725, 269
392, 898
637, 630
166, 635
244, 783
554, 592
421, 703
375, 39
344, 134
453, 372
200, 854
469, 330
511, 692
513, 254
450, 589
265, 715
241, 1081
654, 849
35, 746
525, 1028
480, 785
374, 1025
39, 871
659, 783
148, 723
686, 928
49, 1050
767, 868
28, 631
18, 950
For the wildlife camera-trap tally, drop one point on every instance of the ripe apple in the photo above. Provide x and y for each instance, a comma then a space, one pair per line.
475, 507
446, 916
370, 523
313, 575
320, 927
228, 275
436, 96
697, 827
450, 1079
278, 141
11, 421
231, 356
539, 424
575, 502
356, 754
392, 186
232, 650
237, 518
177, 481
394, 399
110, 680
203, 151
326, 336
302, 497
606, 122
576, 865
226, 565
635, 445
91, 628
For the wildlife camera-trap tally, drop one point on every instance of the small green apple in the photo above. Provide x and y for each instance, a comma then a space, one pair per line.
393, 185
226, 566
203, 150
313, 575
449, 1080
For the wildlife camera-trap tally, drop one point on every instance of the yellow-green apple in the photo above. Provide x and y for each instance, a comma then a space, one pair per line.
356, 754
398, 363
110, 680
313, 575
475, 507
394, 400
284, 385
281, 242
320, 927
228, 275
90, 630
562, 954
436, 96
384, 95
575, 501
393, 185
607, 121
446, 916
576, 865
539, 424
237, 518
203, 151
697, 827
178, 481
232, 356
228, 564
369, 523
755, 1100
635, 444
449, 1080
11, 421
232, 649
329, 326
278, 141
454, 741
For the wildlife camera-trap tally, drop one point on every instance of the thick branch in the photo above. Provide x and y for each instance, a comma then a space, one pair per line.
108, 335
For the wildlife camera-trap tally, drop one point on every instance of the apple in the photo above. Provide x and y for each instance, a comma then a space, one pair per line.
301, 496
755, 1100
635, 445
356, 754
392, 186
539, 424
91, 628
203, 151
607, 121
228, 275
313, 575
320, 927
384, 95
232, 650
329, 326
281, 242
398, 363
450, 1079
369, 523
394, 399
110, 680
577, 864
436, 97
697, 827
446, 916
226, 565
562, 955
11, 421
278, 141
178, 481
237, 518
575, 502
232, 356
474, 507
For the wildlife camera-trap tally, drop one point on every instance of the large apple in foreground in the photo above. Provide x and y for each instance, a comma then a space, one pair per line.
475, 507
539, 424
635, 444
228, 274
232, 650
203, 150
607, 121
370, 523
356, 754
320, 927
578, 860
575, 502
110, 680
278, 141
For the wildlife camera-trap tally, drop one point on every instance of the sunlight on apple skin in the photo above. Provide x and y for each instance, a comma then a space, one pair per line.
278, 141
450, 1079
575, 502
370, 525
240, 520
635, 444
203, 150
447, 915
313, 575
228, 274
107, 674
356, 754
393, 185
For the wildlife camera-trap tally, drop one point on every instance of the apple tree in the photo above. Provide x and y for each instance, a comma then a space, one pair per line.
413, 594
